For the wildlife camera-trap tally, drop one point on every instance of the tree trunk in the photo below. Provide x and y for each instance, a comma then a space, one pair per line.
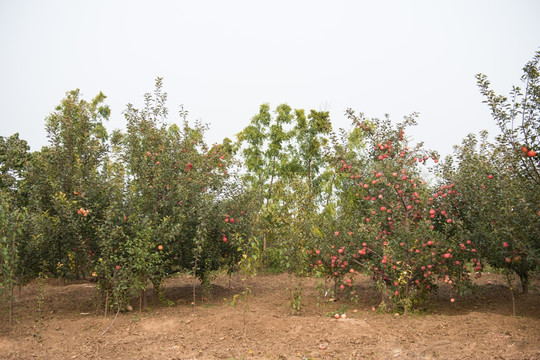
141, 301
11, 276
106, 302
405, 308
195, 277
524, 277
77, 269
11, 305
268, 200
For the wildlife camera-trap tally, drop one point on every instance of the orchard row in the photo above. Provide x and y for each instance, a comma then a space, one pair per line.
131, 208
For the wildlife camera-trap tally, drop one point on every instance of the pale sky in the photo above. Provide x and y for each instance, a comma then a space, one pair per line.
222, 59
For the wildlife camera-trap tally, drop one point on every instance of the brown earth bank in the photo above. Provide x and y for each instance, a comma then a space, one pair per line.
66, 322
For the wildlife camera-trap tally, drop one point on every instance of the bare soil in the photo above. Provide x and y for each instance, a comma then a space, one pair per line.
68, 324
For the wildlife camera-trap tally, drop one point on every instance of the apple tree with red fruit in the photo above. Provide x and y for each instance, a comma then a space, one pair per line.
66, 187
494, 207
518, 118
509, 198
395, 239
168, 216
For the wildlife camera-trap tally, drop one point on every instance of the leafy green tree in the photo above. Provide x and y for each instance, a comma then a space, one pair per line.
286, 155
311, 139
168, 216
13, 221
518, 118
267, 161
493, 206
514, 186
67, 186
14, 157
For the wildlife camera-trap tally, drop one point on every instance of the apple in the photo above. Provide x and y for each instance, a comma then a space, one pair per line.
531, 153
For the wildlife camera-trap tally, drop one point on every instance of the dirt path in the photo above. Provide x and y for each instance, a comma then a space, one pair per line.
471, 328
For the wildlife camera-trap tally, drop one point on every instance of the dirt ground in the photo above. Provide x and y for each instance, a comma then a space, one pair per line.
480, 327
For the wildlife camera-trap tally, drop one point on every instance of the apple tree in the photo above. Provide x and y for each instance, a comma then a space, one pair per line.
395, 239
493, 206
169, 215
516, 175
66, 184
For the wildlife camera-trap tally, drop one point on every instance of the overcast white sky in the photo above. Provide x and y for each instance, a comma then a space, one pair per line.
222, 59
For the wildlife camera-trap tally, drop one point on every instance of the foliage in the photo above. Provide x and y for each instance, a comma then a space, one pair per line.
285, 159
394, 238
67, 187
499, 183
135, 207
519, 122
